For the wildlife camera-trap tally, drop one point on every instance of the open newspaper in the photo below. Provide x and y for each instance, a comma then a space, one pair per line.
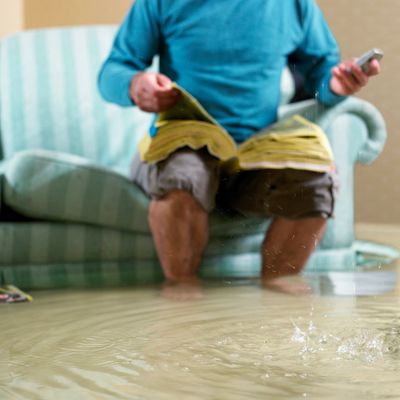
290, 143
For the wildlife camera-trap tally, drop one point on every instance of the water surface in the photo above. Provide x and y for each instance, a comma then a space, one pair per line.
237, 342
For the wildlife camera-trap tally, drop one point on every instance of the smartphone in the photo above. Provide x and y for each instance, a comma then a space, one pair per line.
366, 58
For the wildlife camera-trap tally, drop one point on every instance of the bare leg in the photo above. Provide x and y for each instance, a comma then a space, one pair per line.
287, 246
180, 231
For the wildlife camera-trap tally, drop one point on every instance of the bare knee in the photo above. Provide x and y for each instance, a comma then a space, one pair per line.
177, 203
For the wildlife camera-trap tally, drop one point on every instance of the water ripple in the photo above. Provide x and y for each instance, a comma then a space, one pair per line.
238, 342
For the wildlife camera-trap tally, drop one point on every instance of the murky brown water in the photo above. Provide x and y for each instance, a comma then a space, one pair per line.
238, 342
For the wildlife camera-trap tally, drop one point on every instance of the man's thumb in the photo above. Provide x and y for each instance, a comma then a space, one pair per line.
164, 82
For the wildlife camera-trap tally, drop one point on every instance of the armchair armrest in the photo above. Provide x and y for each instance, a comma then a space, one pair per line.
368, 148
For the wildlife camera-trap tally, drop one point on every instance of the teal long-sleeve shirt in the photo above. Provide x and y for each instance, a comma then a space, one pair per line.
229, 54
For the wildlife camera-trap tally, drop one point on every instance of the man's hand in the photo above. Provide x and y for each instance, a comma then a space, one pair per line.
348, 78
153, 92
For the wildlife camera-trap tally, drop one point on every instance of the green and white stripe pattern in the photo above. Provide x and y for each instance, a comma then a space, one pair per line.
104, 273
49, 97
53, 186
46, 242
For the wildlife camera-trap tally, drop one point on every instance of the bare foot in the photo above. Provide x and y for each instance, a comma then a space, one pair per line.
287, 285
182, 290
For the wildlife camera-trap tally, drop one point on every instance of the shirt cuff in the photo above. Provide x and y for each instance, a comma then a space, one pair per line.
124, 82
324, 93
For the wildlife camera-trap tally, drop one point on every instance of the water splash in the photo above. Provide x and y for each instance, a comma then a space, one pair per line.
366, 345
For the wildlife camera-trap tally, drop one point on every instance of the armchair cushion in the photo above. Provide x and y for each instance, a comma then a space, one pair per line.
51, 186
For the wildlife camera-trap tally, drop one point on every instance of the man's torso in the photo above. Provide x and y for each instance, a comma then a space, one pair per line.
230, 55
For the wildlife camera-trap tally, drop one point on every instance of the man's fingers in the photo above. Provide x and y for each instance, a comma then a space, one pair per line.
166, 94
351, 76
348, 77
164, 87
163, 81
357, 73
160, 86
154, 104
374, 68
168, 101
348, 84
165, 104
153, 92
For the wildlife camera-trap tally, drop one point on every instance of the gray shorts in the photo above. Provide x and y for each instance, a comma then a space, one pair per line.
285, 193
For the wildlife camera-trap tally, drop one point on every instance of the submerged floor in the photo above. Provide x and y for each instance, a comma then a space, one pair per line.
237, 342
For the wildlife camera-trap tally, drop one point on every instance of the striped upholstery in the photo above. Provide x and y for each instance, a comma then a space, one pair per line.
49, 98
1, 192
116, 273
89, 274
102, 273
51, 242
57, 186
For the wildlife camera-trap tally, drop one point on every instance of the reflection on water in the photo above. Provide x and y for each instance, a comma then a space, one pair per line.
360, 283
236, 342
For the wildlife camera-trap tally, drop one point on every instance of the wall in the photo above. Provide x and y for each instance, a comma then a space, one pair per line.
11, 16
358, 26
39, 13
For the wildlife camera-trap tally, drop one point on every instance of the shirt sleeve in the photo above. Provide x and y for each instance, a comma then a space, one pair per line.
316, 54
135, 45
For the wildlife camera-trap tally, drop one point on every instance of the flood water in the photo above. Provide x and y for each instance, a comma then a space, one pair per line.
237, 342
